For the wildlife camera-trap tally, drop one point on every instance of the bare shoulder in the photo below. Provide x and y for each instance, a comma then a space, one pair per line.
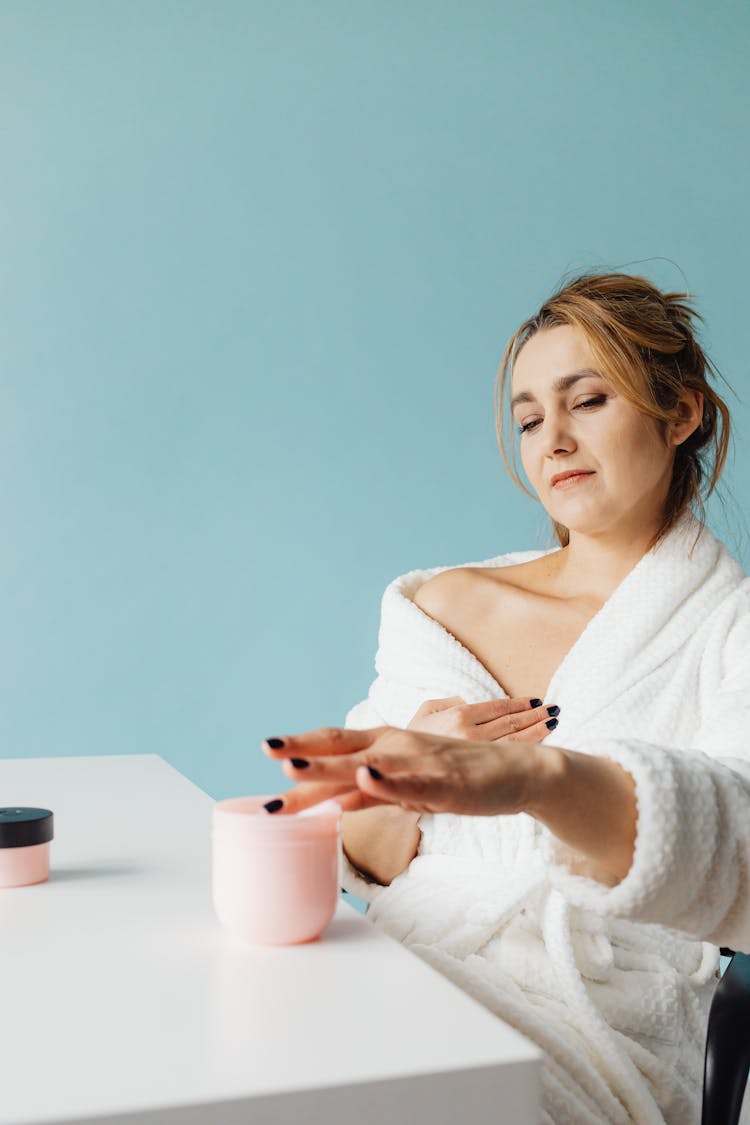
445, 590
536, 576
472, 589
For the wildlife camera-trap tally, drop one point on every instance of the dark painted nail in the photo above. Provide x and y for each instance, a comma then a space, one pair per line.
273, 806
535, 702
375, 773
551, 724
553, 710
299, 763
275, 743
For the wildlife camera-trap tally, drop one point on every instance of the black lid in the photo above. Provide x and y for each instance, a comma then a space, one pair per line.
21, 827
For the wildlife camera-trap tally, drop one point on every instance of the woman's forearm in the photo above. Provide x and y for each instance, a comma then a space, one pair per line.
381, 841
588, 803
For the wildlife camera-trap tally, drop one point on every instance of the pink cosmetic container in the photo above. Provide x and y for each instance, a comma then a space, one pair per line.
24, 846
275, 876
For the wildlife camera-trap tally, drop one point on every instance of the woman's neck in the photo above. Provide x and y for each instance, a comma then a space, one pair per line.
593, 566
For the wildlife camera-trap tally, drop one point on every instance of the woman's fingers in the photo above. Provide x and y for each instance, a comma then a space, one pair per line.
306, 795
451, 775
411, 791
324, 741
334, 771
528, 723
327, 769
491, 709
419, 771
535, 733
389, 790
392, 745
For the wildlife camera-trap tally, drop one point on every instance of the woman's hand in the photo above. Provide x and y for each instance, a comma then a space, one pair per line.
520, 719
419, 771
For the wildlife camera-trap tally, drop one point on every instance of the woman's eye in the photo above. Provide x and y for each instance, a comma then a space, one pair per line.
597, 400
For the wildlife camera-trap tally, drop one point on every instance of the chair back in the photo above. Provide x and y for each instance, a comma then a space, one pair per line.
728, 1044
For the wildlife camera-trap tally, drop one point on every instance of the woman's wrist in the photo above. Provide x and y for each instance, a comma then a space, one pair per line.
548, 768
588, 803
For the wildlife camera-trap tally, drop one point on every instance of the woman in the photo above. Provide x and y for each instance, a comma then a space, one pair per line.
547, 791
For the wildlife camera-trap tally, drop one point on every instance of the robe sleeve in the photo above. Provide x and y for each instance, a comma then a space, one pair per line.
691, 864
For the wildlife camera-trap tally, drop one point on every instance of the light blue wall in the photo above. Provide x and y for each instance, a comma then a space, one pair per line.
258, 264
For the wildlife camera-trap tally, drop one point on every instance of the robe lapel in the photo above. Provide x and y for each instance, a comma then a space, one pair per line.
650, 616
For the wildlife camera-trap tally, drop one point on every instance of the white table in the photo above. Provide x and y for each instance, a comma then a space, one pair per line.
124, 1000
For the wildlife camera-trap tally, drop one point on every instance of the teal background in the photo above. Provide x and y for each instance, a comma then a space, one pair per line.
258, 263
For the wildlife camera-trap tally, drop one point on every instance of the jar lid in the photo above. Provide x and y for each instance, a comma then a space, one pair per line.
20, 828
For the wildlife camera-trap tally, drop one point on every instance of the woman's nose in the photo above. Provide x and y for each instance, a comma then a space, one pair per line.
557, 436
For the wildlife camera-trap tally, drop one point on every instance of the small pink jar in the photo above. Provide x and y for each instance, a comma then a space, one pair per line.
275, 876
25, 835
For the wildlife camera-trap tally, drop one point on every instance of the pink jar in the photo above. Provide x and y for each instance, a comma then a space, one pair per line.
275, 876
24, 846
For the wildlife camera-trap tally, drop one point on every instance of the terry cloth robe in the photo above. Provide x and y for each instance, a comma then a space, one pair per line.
613, 982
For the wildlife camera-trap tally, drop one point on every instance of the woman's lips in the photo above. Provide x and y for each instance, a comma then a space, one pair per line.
570, 482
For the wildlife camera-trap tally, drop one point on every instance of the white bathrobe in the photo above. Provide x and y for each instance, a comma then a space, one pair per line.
612, 982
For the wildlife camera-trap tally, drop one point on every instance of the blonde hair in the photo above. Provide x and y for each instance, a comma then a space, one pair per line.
643, 341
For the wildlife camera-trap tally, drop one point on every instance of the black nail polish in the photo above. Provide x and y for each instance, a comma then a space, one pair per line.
375, 773
553, 710
551, 724
535, 702
275, 743
273, 806
299, 763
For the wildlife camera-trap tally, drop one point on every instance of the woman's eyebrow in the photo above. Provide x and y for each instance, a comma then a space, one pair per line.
560, 384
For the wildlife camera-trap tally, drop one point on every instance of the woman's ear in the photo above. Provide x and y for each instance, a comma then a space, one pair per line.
689, 411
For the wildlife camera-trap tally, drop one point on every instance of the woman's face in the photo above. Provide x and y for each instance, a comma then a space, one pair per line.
573, 421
